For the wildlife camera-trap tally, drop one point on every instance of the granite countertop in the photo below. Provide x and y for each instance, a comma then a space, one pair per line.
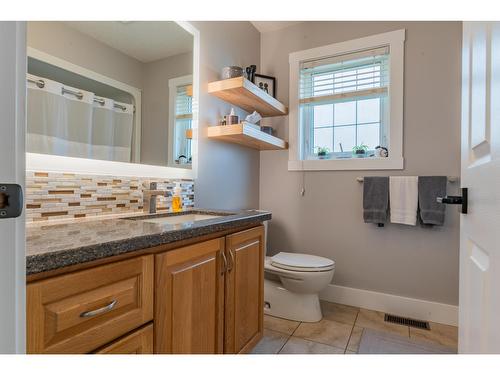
57, 245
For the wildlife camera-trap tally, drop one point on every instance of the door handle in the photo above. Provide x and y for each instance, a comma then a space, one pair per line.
224, 259
230, 267
456, 199
11, 200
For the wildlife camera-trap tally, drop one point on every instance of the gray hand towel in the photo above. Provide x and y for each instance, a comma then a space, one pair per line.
429, 188
375, 199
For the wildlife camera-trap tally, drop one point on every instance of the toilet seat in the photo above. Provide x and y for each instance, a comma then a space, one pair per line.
301, 262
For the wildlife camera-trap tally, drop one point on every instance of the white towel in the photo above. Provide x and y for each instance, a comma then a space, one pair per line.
403, 197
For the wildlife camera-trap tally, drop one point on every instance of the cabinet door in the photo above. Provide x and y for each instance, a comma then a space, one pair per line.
189, 299
139, 342
244, 290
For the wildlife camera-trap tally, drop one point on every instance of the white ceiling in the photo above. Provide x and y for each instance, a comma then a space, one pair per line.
145, 41
266, 26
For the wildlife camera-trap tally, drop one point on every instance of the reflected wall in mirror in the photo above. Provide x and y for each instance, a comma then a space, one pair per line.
119, 91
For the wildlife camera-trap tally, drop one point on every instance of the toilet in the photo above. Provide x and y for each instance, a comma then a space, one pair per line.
292, 284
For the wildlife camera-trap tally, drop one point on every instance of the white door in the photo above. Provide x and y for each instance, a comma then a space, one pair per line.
12, 171
479, 305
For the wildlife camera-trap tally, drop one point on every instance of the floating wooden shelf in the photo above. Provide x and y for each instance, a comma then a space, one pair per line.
244, 94
247, 135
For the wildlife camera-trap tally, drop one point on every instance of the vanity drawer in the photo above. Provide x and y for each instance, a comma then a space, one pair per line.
139, 342
79, 312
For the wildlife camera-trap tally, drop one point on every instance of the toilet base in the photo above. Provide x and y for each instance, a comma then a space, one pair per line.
282, 303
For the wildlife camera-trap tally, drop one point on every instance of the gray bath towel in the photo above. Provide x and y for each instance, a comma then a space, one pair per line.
375, 199
429, 188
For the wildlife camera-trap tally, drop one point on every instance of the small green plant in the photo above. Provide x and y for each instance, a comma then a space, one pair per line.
322, 151
361, 149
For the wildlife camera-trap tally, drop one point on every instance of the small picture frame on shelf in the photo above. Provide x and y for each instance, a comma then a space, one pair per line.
266, 83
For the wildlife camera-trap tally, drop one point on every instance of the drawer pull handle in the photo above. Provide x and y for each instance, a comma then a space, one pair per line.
89, 314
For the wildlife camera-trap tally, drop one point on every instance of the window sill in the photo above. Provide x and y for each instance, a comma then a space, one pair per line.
353, 164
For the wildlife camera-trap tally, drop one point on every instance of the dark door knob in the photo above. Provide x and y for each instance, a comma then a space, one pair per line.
455, 199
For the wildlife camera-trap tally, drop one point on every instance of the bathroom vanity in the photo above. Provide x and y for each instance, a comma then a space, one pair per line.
189, 282
147, 284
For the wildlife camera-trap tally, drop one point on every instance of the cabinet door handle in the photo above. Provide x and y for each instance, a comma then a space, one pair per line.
102, 310
232, 260
224, 268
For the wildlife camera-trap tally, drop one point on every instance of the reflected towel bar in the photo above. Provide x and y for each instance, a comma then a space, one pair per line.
450, 179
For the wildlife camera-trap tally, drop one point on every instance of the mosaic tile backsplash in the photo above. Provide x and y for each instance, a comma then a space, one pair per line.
56, 196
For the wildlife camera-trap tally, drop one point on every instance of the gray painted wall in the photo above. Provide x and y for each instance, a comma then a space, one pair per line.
228, 175
155, 105
327, 221
58, 39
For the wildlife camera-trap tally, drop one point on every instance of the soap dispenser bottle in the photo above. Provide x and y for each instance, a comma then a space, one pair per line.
177, 199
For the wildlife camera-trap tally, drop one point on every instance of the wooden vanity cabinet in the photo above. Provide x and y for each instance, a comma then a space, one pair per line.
189, 299
203, 298
244, 290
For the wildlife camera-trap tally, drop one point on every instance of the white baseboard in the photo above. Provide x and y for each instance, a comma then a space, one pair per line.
393, 304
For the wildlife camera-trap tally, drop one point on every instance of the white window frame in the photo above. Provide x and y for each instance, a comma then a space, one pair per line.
173, 83
395, 40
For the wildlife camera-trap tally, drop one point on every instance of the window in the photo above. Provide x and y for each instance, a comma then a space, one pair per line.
342, 102
183, 119
180, 121
346, 95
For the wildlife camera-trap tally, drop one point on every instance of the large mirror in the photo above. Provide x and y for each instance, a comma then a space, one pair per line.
116, 91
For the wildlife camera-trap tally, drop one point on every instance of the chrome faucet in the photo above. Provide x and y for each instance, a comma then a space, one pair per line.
149, 197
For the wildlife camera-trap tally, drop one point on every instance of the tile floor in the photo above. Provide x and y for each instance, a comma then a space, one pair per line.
339, 332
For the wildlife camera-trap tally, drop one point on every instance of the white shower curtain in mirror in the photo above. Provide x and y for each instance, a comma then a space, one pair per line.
122, 136
112, 127
62, 123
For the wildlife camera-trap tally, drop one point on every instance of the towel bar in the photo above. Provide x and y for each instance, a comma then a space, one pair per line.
450, 179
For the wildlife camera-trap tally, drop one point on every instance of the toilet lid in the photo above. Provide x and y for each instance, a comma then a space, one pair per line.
302, 262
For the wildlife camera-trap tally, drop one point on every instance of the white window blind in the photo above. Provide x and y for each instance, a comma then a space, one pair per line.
183, 102
361, 74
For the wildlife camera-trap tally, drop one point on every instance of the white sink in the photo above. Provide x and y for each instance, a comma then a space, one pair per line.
179, 219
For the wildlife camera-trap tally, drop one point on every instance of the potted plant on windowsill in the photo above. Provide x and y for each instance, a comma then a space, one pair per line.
323, 152
359, 151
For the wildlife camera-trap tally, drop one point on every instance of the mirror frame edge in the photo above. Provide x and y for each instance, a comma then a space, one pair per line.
189, 27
